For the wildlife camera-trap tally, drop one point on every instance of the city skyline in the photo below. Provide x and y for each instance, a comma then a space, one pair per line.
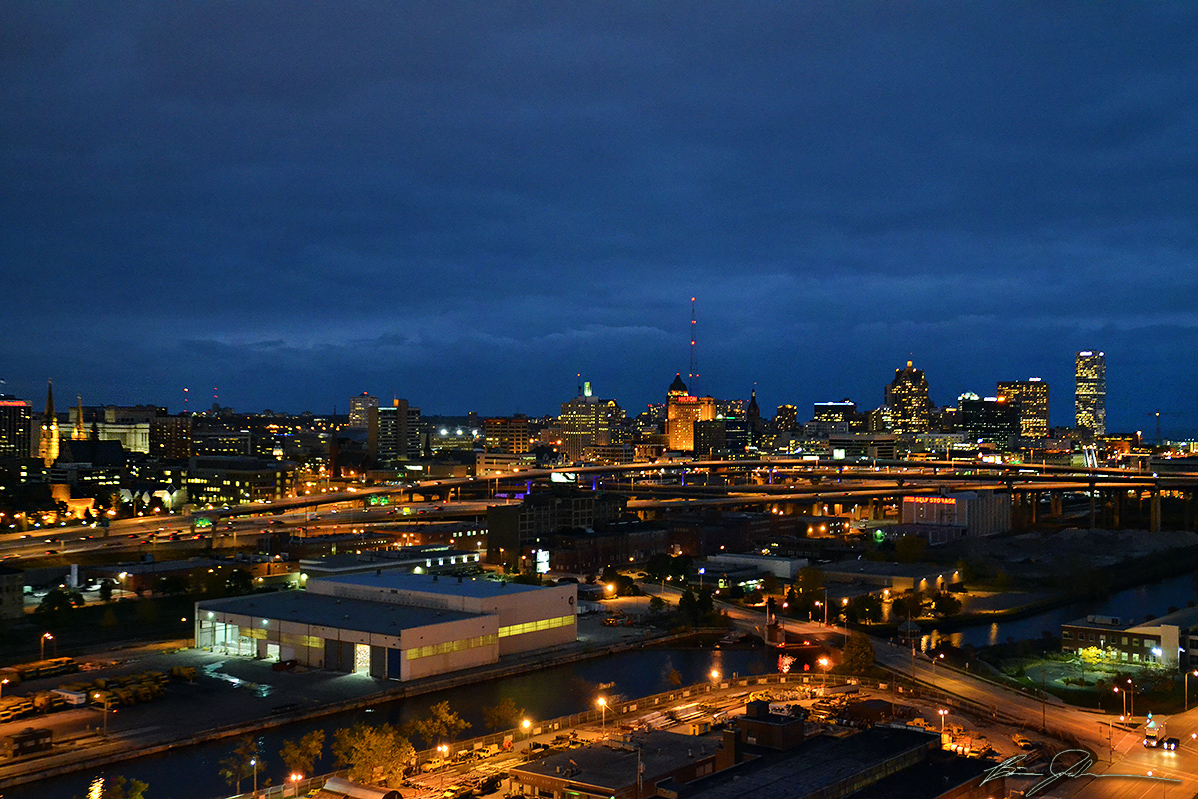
466, 206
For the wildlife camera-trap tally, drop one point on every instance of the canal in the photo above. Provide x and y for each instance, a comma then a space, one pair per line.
193, 772
1131, 605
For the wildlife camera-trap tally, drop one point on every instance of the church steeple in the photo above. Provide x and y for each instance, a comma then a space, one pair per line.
47, 448
80, 432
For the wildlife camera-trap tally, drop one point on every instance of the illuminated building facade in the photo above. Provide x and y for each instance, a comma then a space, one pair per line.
991, 420
1090, 399
587, 421
397, 434
47, 448
359, 410
506, 434
1030, 398
907, 398
682, 411
786, 419
16, 420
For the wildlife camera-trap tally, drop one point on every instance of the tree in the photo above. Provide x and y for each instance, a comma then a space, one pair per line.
302, 755
343, 743
657, 605
858, 654
56, 606
502, 716
120, 788
172, 584
373, 754
864, 607
106, 591
660, 565
946, 604
236, 766
810, 580
440, 724
688, 607
769, 584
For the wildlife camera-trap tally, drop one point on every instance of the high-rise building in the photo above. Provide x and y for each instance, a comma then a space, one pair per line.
682, 411
47, 448
993, 420
908, 399
786, 419
396, 436
1090, 399
587, 421
506, 434
359, 410
1030, 397
16, 422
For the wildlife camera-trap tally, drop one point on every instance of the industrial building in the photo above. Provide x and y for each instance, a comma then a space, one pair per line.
390, 625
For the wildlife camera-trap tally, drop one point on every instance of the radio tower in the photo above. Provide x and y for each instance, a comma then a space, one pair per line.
694, 372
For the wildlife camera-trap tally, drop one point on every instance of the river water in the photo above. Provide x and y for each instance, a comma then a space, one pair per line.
1130, 605
192, 772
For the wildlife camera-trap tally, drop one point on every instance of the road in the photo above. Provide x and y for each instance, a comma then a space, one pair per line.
1091, 728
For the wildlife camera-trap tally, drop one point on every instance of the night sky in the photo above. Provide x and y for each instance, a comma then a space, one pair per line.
466, 204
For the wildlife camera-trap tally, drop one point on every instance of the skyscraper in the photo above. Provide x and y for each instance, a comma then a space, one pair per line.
1090, 398
682, 411
1030, 397
359, 410
907, 397
586, 422
16, 417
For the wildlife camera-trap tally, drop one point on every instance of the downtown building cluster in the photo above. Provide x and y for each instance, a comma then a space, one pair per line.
144, 457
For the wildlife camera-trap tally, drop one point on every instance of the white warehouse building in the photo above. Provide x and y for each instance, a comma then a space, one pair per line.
390, 625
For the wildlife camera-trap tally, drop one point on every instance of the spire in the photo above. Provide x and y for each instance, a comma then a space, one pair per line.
80, 432
47, 448
677, 387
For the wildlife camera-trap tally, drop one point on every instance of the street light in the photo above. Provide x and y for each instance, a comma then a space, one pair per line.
942, 713
3, 683
295, 779
939, 657
526, 725
47, 637
254, 763
602, 702
1124, 693
715, 675
824, 662
443, 751
1187, 699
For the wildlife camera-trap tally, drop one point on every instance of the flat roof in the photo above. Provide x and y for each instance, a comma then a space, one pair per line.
361, 615
614, 766
432, 584
813, 767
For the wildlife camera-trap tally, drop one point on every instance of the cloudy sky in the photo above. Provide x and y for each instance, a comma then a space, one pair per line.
466, 204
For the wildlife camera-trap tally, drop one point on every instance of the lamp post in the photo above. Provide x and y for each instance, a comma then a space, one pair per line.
603, 709
3, 683
1131, 689
526, 725
942, 713
254, 763
443, 752
824, 682
47, 637
1124, 694
295, 780
1187, 699
938, 657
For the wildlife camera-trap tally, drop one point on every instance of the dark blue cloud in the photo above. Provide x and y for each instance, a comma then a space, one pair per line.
466, 204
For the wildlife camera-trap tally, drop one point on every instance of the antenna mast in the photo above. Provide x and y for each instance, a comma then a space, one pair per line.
694, 372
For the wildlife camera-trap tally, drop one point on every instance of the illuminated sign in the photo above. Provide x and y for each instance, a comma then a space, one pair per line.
686, 398
935, 500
